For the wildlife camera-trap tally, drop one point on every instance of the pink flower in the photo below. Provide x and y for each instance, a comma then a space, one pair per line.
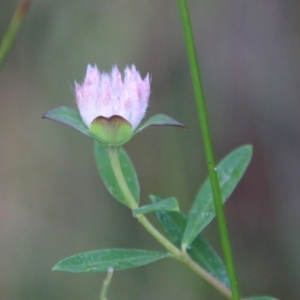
106, 95
111, 107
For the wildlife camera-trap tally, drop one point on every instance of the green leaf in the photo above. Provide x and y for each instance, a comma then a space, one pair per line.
107, 174
159, 120
173, 224
204, 254
103, 260
230, 171
68, 116
261, 298
169, 204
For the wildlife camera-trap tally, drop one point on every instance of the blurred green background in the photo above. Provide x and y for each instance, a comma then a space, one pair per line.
52, 202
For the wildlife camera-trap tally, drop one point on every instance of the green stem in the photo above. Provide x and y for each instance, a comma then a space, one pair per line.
115, 163
209, 153
13, 29
176, 253
106, 284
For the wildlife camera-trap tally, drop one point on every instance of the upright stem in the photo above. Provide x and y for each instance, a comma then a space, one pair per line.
176, 253
209, 153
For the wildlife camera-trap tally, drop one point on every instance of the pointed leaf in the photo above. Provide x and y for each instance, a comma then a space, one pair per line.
159, 120
261, 298
230, 171
173, 224
103, 260
107, 174
169, 204
68, 116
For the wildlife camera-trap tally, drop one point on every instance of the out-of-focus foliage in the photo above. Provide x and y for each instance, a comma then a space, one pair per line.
52, 201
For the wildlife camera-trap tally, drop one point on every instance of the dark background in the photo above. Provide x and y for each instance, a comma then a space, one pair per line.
52, 202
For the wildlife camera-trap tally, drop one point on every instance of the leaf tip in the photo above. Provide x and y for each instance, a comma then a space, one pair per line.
58, 267
55, 268
45, 115
248, 147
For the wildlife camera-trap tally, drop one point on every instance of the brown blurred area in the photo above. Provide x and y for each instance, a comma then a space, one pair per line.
52, 202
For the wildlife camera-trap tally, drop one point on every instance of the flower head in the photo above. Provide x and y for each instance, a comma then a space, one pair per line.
107, 95
111, 101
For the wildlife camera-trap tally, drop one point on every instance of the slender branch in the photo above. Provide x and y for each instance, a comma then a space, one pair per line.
209, 153
176, 253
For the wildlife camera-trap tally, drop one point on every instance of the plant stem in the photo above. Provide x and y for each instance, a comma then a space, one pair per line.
209, 153
115, 162
106, 284
13, 29
176, 253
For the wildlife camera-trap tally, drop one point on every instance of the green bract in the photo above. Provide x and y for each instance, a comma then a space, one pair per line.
111, 132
